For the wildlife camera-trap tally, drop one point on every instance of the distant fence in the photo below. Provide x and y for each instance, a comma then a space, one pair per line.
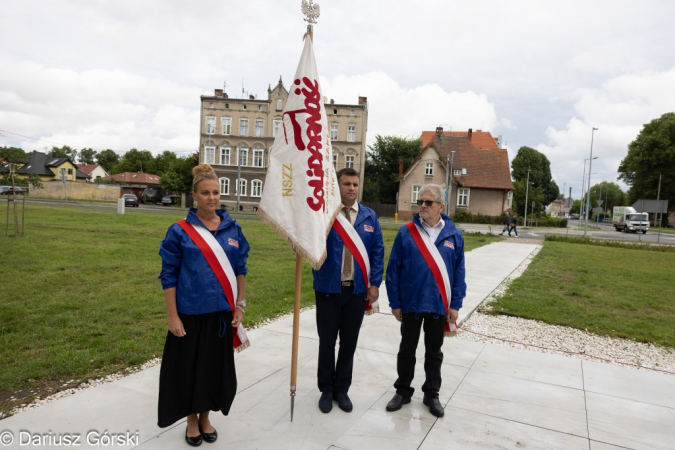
381, 209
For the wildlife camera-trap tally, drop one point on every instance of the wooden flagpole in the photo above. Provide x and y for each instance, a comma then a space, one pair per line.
312, 13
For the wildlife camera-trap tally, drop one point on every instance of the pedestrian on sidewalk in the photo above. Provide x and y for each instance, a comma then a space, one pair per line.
342, 293
507, 224
203, 276
426, 286
514, 225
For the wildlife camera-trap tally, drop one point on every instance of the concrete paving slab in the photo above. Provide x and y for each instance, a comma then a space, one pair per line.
468, 430
533, 366
628, 423
520, 400
633, 384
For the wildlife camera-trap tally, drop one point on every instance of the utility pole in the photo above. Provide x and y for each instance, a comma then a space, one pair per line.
452, 177
590, 165
527, 191
239, 170
447, 186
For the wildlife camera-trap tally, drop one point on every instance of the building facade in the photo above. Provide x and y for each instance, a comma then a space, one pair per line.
480, 179
236, 135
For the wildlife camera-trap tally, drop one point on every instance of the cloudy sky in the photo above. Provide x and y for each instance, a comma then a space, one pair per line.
129, 73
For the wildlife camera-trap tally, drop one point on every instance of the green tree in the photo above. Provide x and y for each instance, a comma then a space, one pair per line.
539, 168
650, 155
107, 159
178, 178
164, 162
381, 171
534, 194
13, 159
87, 156
611, 193
136, 161
64, 152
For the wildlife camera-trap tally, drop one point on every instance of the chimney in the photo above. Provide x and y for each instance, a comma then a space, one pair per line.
251, 97
332, 102
470, 134
219, 92
400, 167
439, 132
225, 95
363, 100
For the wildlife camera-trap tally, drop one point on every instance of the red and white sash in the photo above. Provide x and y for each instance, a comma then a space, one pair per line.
435, 261
355, 245
217, 259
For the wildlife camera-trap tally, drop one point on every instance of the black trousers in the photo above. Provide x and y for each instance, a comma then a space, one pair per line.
338, 315
411, 327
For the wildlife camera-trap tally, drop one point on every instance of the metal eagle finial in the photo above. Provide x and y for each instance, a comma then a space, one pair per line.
311, 11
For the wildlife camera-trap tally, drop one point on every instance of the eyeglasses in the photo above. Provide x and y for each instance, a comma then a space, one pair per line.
427, 203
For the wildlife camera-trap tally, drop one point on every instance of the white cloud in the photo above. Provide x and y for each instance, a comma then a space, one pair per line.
618, 108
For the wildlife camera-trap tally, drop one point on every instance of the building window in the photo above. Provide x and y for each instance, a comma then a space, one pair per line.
243, 156
259, 127
243, 127
225, 156
415, 194
244, 106
429, 169
224, 186
349, 162
351, 113
279, 104
259, 107
335, 112
463, 197
227, 125
70, 171
242, 187
209, 155
333, 132
210, 124
258, 158
509, 200
256, 188
335, 157
277, 124
351, 133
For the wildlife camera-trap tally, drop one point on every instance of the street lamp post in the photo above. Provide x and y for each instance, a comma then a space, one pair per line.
590, 164
449, 186
527, 191
582, 200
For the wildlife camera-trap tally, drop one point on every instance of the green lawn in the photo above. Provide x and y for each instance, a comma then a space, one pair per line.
80, 298
615, 291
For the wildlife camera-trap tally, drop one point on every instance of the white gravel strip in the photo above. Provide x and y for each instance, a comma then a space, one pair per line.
558, 339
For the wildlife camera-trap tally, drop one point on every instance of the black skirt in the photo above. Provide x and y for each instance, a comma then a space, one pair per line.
197, 372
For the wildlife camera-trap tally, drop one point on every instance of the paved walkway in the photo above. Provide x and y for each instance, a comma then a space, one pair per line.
495, 396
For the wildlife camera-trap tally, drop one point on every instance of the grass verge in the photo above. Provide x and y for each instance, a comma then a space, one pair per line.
80, 296
622, 290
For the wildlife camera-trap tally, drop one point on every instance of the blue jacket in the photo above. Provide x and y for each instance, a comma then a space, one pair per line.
328, 278
185, 268
410, 283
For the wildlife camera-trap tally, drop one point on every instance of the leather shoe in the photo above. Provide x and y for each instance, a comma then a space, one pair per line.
397, 402
209, 437
195, 441
434, 405
326, 402
343, 402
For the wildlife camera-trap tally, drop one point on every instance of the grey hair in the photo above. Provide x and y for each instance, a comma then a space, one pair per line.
436, 190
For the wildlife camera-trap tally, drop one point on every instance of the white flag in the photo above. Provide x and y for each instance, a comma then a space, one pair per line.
301, 196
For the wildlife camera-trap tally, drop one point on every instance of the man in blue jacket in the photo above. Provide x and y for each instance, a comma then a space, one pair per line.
415, 298
341, 295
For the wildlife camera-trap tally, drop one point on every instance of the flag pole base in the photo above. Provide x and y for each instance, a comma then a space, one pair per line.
292, 401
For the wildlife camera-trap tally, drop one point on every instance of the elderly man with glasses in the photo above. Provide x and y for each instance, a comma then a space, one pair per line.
426, 287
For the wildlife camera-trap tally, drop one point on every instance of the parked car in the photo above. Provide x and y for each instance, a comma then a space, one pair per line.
574, 216
130, 200
7, 190
168, 200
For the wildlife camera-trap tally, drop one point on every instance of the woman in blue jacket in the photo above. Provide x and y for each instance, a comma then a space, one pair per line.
198, 374
415, 299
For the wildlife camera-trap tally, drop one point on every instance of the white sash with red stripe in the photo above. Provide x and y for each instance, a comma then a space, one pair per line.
218, 262
437, 266
355, 245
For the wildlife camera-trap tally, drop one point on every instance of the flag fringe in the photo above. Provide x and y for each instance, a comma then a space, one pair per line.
375, 310
242, 347
450, 334
316, 264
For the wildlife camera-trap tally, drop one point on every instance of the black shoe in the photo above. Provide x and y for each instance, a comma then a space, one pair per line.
397, 402
343, 402
209, 437
326, 402
193, 441
434, 405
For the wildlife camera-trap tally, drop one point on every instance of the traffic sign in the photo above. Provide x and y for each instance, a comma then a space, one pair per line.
597, 209
599, 202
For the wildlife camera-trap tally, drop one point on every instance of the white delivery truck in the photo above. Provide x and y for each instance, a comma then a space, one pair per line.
627, 219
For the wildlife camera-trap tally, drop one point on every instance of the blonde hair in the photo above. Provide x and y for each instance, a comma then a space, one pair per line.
200, 173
